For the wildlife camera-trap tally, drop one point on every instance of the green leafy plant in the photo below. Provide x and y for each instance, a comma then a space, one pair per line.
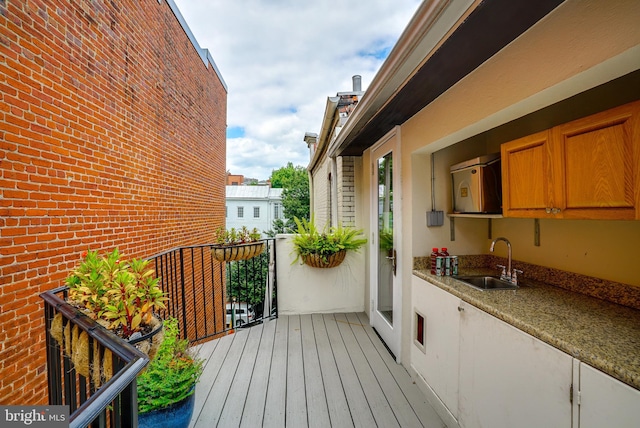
235, 236
171, 375
386, 239
309, 240
122, 294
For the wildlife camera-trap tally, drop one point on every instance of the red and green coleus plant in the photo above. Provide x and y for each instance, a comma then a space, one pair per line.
235, 236
122, 295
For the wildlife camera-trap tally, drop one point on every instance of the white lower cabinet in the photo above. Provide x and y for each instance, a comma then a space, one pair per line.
479, 371
604, 401
437, 360
508, 378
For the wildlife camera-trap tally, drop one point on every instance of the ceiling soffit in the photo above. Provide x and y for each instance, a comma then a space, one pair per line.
491, 26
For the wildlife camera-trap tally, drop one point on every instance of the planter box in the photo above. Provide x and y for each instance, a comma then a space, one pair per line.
75, 341
231, 253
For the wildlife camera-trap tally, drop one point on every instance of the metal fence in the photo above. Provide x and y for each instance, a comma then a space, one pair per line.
209, 297
94, 372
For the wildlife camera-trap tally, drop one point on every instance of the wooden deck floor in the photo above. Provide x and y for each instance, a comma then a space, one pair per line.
307, 371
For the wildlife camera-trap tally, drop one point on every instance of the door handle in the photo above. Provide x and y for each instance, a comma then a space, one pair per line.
393, 261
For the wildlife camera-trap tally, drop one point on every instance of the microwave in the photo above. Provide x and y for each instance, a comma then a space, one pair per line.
477, 185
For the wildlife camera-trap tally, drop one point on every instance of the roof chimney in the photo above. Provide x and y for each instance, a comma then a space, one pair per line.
357, 83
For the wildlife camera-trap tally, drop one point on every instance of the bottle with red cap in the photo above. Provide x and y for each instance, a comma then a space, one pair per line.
434, 255
446, 265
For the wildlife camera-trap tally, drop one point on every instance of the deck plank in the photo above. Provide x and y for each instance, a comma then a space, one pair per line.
358, 405
416, 398
317, 410
320, 370
399, 405
219, 393
232, 411
380, 407
296, 395
274, 410
256, 399
211, 369
339, 413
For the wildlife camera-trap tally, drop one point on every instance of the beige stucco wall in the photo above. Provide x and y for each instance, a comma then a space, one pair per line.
580, 45
541, 67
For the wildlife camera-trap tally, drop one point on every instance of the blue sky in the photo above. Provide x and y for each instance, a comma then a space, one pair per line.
281, 59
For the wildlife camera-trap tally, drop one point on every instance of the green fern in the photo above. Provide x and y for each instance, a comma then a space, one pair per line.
172, 374
309, 240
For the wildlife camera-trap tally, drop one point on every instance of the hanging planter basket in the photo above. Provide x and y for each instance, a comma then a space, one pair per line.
231, 253
333, 260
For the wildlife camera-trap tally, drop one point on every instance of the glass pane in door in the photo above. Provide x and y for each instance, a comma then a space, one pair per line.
386, 260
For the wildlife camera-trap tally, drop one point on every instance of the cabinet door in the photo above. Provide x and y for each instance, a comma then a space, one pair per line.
606, 402
527, 176
437, 360
509, 378
597, 164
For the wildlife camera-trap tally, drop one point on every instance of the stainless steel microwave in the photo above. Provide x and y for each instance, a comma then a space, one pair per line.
477, 185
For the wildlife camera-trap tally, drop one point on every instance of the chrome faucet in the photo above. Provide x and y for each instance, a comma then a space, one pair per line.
508, 275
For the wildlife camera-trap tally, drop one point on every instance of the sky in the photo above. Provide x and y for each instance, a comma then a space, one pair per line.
281, 59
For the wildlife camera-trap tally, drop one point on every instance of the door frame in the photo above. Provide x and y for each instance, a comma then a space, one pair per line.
391, 335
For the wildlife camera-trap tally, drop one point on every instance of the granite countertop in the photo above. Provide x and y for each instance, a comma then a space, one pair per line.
599, 333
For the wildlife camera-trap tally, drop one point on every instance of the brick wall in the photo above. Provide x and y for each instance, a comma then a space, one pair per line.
112, 134
346, 190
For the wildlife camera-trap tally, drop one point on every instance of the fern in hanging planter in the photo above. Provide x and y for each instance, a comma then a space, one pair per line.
326, 248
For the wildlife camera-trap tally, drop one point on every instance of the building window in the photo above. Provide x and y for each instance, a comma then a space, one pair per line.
277, 211
240, 212
256, 212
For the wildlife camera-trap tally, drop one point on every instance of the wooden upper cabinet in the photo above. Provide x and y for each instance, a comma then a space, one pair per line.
588, 168
598, 165
527, 176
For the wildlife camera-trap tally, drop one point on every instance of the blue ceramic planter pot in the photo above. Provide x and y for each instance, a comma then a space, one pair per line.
177, 415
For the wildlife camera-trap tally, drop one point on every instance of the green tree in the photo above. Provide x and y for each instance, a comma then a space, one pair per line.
295, 195
246, 279
281, 177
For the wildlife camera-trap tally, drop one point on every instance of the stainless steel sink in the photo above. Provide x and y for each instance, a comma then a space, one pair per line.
486, 283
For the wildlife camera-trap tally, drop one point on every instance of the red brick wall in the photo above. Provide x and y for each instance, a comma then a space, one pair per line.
112, 134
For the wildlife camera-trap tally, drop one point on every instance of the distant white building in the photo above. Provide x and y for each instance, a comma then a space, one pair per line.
253, 206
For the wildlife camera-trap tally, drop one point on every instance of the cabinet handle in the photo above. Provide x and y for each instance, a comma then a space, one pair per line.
547, 210
556, 210
460, 309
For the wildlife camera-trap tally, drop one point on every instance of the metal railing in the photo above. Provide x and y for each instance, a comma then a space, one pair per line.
89, 369
94, 372
209, 297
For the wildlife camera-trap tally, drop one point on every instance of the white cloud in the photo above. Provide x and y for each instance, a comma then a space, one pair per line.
281, 59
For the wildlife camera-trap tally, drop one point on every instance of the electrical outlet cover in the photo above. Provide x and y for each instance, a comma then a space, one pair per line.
435, 218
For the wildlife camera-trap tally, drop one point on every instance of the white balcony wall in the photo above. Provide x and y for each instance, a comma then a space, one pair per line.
306, 290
